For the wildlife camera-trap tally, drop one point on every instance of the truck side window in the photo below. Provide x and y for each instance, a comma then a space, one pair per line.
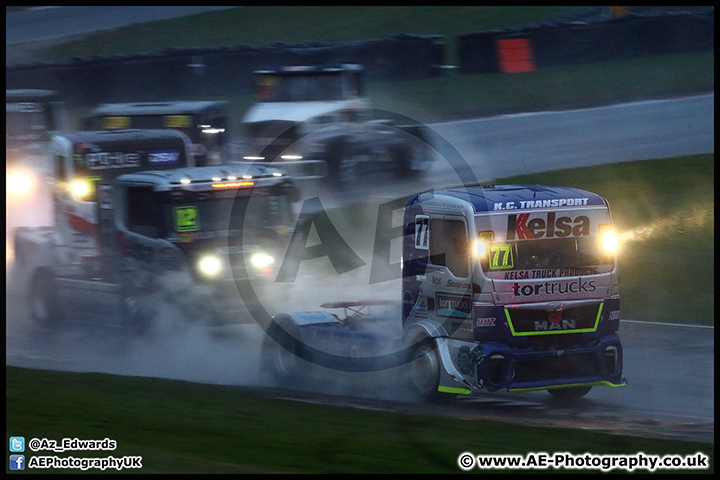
449, 246
60, 168
143, 213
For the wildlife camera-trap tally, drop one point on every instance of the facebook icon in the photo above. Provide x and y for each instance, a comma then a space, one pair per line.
17, 462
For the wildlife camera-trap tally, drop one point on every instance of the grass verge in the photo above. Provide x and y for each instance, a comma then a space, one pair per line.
179, 427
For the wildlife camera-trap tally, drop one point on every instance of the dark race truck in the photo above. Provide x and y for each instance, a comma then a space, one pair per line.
503, 288
316, 121
32, 117
138, 226
205, 122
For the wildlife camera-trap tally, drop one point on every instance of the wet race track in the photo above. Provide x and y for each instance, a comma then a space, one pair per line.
670, 368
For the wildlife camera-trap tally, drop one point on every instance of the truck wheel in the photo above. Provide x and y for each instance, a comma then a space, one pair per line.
281, 352
340, 165
136, 318
42, 299
20, 247
569, 394
424, 373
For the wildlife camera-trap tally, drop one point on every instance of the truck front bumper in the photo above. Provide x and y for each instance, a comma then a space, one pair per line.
471, 366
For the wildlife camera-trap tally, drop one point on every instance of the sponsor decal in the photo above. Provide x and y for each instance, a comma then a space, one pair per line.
614, 314
449, 305
554, 288
556, 323
524, 228
105, 160
115, 123
486, 235
485, 322
549, 273
163, 157
177, 121
24, 107
551, 203
461, 327
458, 285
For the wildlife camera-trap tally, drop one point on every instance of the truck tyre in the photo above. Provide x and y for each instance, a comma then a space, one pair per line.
339, 164
136, 318
42, 299
282, 354
424, 373
569, 394
20, 247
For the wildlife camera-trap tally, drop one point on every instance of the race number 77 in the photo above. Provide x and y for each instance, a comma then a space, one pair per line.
501, 257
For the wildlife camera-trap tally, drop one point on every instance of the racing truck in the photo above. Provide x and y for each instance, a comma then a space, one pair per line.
316, 121
507, 287
138, 226
203, 121
32, 117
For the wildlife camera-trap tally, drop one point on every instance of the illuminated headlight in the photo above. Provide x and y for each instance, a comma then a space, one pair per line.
609, 241
291, 157
209, 266
19, 183
261, 260
480, 249
80, 188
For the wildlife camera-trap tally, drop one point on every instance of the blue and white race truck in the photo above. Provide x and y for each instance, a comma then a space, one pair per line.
503, 288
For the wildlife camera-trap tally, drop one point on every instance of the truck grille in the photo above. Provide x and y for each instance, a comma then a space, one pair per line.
540, 322
557, 367
271, 138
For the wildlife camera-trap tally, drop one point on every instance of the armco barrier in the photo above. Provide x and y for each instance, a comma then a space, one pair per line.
610, 38
192, 72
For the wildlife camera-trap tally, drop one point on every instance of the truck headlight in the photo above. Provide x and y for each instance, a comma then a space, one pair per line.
209, 266
19, 183
609, 241
261, 260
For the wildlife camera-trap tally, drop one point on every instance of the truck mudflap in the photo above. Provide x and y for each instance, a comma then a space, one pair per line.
468, 367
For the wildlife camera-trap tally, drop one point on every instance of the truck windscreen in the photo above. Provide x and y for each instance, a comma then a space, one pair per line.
545, 243
313, 87
544, 258
28, 121
203, 217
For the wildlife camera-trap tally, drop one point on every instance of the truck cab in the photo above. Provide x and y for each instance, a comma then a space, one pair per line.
318, 121
137, 225
32, 117
508, 287
511, 287
204, 122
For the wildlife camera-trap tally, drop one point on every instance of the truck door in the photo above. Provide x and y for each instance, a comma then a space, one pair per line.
448, 284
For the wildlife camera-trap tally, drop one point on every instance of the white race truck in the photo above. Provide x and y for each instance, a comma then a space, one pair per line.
32, 117
138, 225
503, 288
316, 121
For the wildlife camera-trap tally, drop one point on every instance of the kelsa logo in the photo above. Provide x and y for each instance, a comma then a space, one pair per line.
520, 227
